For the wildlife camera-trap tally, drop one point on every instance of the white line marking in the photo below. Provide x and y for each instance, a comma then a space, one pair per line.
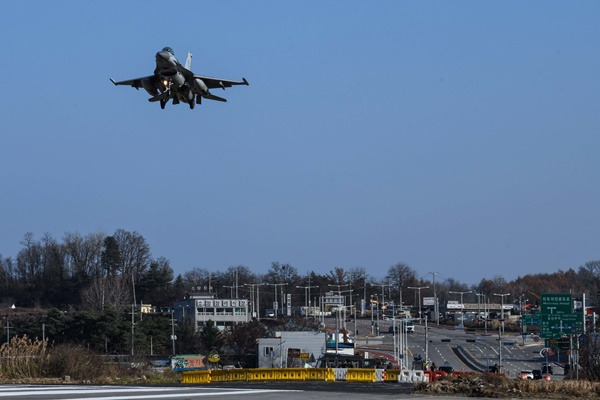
187, 394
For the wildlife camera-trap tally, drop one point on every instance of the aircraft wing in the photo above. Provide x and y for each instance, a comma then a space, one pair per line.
215, 83
136, 83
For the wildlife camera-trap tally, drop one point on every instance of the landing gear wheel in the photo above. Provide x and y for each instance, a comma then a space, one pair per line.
162, 104
192, 104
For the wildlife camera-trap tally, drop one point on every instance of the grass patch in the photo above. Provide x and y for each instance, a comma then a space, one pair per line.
494, 386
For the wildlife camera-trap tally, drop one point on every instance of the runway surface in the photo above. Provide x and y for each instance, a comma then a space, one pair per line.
256, 391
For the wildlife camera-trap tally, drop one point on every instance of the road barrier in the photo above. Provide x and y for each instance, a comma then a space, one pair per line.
340, 373
360, 375
316, 374
195, 377
391, 375
320, 374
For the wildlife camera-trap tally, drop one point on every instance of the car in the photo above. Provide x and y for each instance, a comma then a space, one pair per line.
526, 374
447, 368
537, 374
410, 328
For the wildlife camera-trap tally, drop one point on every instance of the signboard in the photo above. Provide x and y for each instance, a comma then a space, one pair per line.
214, 357
532, 319
428, 301
556, 303
333, 299
289, 305
304, 356
188, 362
454, 305
556, 325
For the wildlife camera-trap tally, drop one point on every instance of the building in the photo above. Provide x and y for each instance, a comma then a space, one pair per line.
291, 349
203, 307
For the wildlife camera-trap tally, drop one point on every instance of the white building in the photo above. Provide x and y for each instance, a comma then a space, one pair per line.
201, 308
291, 349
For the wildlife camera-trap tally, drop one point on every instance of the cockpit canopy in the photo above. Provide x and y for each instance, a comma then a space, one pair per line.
170, 50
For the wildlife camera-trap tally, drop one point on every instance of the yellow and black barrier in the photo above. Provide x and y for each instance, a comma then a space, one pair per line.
281, 374
195, 377
391, 375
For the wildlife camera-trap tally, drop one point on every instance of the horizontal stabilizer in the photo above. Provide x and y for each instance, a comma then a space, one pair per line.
211, 96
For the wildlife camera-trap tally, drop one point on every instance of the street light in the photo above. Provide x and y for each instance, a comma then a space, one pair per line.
435, 301
306, 298
257, 303
462, 305
502, 307
275, 304
372, 322
419, 289
479, 309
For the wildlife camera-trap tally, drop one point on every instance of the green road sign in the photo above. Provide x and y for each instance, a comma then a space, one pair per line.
532, 319
556, 325
556, 303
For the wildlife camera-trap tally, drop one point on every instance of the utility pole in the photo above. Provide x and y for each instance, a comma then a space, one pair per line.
383, 286
502, 307
275, 303
500, 348
435, 300
419, 289
173, 328
258, 285
306, 297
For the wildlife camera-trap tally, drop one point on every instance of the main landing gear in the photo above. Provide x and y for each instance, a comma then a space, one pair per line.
163, 103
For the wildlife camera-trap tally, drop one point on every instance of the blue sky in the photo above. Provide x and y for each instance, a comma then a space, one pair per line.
457, 137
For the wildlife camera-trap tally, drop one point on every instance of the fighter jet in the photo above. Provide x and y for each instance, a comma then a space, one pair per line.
171, 80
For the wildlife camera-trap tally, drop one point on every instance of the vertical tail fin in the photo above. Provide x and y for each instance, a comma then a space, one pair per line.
188, 61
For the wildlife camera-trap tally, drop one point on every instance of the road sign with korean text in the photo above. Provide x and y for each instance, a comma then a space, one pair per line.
556, 303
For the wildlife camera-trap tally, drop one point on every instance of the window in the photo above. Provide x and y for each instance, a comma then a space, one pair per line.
268, 351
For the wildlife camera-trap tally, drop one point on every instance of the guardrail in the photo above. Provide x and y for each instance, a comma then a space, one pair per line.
258, 374
304, 374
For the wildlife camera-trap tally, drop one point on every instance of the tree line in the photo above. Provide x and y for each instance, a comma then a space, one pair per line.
93, 271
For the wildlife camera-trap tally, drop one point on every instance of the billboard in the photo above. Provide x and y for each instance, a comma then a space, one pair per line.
428, 301
188, 362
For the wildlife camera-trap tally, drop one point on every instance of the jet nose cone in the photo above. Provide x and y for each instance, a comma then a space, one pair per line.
164, 59
162, 56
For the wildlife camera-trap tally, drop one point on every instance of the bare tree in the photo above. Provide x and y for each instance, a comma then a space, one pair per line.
199, 279
589, 357
338, 276
84, 254
112, 291
135, 253
29, 260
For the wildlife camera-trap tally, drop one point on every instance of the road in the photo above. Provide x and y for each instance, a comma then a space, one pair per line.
254, 391
479, 348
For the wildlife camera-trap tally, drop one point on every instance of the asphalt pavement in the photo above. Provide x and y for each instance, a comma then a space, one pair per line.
481, 349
